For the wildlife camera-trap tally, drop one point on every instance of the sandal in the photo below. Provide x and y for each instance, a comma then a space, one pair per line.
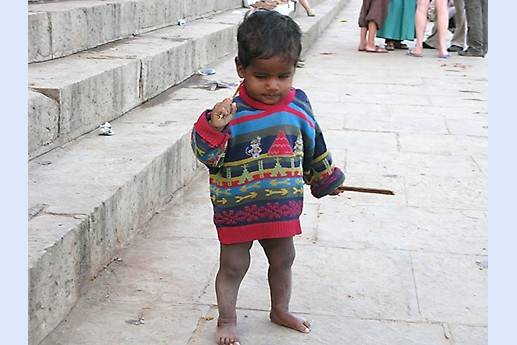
376, 50
389, 46
412, 53
400, 45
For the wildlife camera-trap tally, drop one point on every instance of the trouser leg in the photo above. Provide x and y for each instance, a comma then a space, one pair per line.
484, 16
432, 39
473, 10
460, 32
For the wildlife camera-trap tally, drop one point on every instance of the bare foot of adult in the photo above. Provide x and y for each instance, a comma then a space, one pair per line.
414, 53
443, 53
287, 319
226, 333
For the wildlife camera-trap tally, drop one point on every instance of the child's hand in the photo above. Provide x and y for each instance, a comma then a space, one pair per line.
222, 113
337, 191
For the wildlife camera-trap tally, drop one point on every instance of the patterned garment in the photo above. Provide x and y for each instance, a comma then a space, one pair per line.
258, 166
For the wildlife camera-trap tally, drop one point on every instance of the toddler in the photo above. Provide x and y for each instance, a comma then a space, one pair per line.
260, 149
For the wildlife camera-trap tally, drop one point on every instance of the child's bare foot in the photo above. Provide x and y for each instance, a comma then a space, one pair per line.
287, 319
226, 333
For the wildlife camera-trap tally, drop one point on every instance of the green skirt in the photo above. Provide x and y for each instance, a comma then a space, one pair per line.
400, 22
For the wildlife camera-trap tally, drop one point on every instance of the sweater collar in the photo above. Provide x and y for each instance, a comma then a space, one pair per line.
262, 106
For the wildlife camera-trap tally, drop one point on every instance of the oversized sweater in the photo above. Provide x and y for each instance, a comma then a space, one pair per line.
258, 166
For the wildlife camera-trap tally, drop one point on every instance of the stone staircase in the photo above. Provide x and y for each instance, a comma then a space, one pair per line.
130, 63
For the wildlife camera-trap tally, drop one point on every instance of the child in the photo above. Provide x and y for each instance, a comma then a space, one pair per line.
371, 18
260, 150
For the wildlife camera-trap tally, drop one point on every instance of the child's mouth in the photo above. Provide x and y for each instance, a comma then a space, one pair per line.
271, 97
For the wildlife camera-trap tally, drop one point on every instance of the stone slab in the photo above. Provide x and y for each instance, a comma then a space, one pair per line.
43, 115
452, 287
61, 28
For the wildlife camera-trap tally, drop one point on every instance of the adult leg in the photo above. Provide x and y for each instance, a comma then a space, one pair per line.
473, 10
484, 21
307, 7
280, 253
234, 262
442, 23
460, 32
431, 40
420, 25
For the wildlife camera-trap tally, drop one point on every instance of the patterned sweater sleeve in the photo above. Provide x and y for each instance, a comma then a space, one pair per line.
208, 144
319, 170
323, 176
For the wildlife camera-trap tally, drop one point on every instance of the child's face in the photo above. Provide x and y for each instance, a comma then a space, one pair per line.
268, 80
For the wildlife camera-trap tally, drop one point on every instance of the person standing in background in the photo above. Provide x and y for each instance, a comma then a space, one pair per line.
477, 23
442, 23
304, 3
460, 30
399, 24
308, 9
371, 18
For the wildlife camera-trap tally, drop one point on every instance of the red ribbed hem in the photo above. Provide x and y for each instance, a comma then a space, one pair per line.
248, 233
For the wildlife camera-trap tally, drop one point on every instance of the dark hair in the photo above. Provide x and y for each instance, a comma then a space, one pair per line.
265, 33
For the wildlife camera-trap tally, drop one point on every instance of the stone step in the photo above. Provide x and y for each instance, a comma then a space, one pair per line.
90, 196
73, 95
61, 28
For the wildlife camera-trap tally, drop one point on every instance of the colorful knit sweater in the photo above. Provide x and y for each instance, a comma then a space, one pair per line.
259, 164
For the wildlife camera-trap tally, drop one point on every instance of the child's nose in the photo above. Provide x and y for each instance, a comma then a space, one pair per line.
273, 84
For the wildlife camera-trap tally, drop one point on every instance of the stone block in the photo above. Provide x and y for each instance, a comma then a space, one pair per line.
43, 123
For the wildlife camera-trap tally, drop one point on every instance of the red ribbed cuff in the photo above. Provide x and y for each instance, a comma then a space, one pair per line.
212, 136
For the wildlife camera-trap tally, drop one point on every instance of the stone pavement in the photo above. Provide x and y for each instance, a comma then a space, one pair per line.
406, 269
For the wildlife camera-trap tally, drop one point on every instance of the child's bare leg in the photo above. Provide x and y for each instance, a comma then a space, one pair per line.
372, 31
281, 253
362, 38
233, 265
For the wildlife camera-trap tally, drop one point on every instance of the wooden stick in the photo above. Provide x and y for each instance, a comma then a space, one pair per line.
366, 190
237, 90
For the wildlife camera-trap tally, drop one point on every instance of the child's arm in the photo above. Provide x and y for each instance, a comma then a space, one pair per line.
337, 191
210, 136
322, 175
325, 180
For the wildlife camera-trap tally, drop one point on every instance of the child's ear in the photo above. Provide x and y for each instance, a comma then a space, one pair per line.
239, 68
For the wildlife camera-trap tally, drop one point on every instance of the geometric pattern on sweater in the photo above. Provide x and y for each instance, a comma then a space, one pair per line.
280, 146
